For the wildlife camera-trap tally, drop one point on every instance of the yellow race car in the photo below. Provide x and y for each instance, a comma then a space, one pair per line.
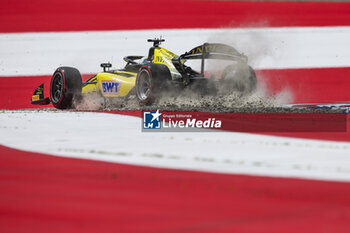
149, 77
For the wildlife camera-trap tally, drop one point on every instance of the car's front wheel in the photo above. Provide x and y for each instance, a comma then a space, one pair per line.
65, 87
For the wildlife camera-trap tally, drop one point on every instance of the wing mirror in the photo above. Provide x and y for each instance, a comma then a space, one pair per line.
105, 66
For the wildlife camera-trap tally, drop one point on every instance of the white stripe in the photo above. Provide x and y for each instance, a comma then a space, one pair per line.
343, 106
293, 47
116, 138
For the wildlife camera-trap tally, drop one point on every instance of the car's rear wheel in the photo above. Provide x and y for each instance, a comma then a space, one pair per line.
65, 88
151, 83
239, 78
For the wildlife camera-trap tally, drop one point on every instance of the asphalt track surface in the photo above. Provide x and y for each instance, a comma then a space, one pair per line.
41, 193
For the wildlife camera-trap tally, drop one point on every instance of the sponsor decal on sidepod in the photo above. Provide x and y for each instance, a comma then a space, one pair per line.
110, 87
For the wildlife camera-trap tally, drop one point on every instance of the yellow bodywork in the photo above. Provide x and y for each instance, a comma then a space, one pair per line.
119, 83
164, 56
111, 84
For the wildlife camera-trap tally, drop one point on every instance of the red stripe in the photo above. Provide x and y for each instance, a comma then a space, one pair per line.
78, 15
306, 86
16, 92
322, 85
42, 193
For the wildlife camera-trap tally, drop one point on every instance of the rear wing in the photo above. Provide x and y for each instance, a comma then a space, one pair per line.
213, 51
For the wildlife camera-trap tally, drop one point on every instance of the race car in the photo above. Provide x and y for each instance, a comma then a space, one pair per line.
149, 77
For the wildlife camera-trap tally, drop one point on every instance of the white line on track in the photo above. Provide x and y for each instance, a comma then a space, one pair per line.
280, 48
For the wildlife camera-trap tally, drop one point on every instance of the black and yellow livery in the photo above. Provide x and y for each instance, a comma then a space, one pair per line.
147, 77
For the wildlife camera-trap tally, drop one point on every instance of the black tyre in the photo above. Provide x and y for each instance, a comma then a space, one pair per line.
151, 83
65, 87
239, 78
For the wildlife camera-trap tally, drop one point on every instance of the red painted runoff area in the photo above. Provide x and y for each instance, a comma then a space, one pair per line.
41, 193
309, 85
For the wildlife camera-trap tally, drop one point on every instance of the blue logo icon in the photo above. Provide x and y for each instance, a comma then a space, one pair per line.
152, 120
